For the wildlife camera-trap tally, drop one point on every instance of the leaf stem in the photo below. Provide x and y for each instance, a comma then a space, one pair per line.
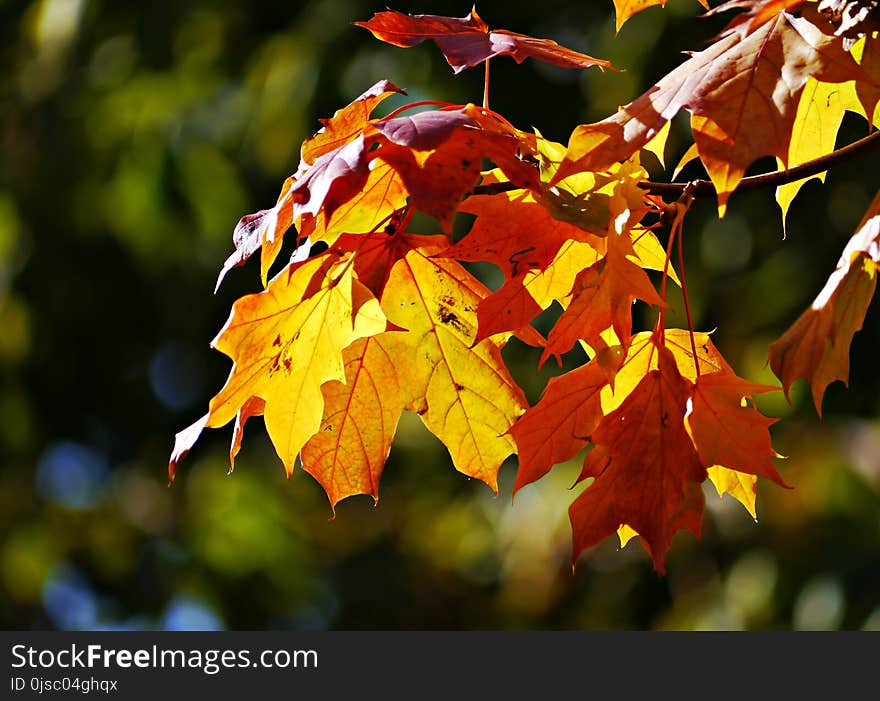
661, 317
684, 294
702, 189
486, 86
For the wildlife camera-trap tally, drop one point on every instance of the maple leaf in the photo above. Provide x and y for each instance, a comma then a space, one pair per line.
624, 9
285, 343
740, 485
461, 389
814, 132
742, 93
647, 472
816, 346
757, 13
515, 231
560, 424
467, 41
602, 296
438, 155
459, 386
347, 122
520, 299
347, 454
728, 433
641, 358
573, 404
820, 113
266, 228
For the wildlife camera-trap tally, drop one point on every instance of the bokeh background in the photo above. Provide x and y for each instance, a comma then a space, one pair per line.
132, 138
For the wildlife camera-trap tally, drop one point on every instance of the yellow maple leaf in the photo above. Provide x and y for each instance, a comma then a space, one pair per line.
462, 391
285, 343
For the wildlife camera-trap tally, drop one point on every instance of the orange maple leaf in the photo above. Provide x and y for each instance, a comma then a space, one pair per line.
742, 93
726, 432
347, 454
624, 9
561, 423
602, 297
816, 346
348, 122
515, 232
468, 41
647, 472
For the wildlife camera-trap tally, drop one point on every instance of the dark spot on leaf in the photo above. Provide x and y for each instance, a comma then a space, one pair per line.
450, 318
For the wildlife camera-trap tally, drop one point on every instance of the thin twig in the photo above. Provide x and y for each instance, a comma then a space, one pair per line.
702, 189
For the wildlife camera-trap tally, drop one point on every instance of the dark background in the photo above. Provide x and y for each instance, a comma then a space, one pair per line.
134, 136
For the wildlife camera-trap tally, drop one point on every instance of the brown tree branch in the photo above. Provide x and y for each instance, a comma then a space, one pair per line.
701, 189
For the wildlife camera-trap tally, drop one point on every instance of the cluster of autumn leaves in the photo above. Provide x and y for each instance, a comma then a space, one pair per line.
369, 320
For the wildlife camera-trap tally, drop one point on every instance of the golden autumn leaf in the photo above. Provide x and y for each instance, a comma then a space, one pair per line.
821, 110
642, 357
285, 343
460, 388
816, 346
819, 114
740, 485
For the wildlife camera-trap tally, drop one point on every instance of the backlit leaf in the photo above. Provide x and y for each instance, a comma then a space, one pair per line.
742, 93
816, 346
461, 389
624, 9
285, 343
349, 450
647, 473
467, 41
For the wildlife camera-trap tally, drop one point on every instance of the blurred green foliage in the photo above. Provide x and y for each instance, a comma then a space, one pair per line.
135, 135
